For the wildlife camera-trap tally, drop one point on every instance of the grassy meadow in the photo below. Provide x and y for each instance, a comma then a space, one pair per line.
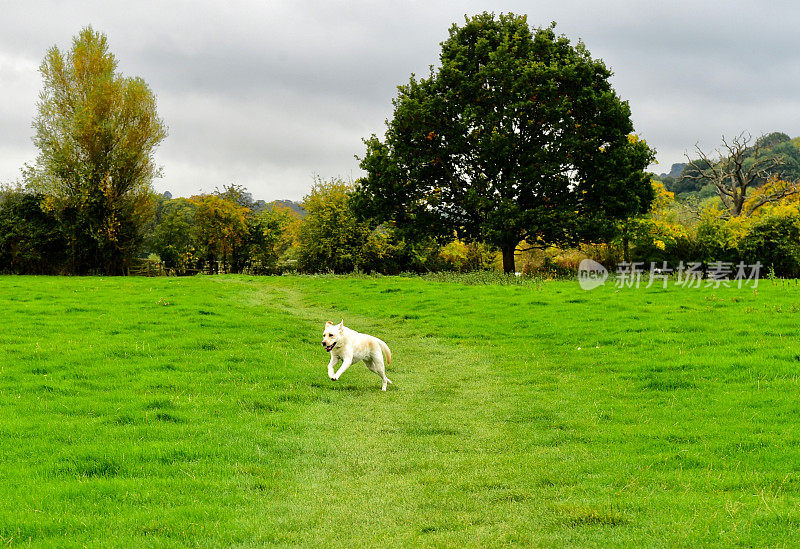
197, 411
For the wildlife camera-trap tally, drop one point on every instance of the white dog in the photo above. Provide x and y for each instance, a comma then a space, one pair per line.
350, 346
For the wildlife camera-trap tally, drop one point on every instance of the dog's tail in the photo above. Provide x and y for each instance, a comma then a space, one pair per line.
386, 351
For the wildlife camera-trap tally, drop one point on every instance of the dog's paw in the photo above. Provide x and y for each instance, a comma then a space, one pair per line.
334, 378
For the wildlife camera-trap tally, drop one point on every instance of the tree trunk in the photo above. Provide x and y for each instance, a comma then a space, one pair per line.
508, 258
626, 249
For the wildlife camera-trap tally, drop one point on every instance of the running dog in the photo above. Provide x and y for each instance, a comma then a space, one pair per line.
350, 346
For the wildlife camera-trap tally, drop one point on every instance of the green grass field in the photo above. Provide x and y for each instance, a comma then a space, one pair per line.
197, 411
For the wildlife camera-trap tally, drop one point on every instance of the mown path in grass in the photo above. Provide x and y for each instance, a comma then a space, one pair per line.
425, 461
198, 411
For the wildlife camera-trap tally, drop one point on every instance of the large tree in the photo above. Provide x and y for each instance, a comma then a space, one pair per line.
518, 136
96, 131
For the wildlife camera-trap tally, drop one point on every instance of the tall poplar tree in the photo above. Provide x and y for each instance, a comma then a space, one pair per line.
96, 131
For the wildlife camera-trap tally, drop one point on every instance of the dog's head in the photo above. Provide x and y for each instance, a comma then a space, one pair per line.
331, 334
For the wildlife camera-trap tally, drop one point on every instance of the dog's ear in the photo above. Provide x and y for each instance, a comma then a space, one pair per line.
329, 323
341, 326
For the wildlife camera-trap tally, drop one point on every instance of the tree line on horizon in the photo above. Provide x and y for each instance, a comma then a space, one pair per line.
514, 154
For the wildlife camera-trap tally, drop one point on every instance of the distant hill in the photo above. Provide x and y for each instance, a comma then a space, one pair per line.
261, 205
675, 172
302, 212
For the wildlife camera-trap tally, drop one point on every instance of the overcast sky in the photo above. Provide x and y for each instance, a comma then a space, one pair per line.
268, 94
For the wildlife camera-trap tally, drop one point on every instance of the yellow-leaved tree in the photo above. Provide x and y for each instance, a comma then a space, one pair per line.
221, 230
96, 132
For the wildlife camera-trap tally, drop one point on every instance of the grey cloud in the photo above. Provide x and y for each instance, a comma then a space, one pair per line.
267, 94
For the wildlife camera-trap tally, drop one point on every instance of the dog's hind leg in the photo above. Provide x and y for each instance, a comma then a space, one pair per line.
376, 365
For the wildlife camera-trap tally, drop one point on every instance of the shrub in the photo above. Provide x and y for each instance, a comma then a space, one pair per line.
31, 241
472, 256
717, 238
775, 242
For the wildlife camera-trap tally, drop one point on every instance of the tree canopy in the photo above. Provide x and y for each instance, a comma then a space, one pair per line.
518, 136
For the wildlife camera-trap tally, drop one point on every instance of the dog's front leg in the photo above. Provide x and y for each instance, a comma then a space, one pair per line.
346, 362
331, 364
